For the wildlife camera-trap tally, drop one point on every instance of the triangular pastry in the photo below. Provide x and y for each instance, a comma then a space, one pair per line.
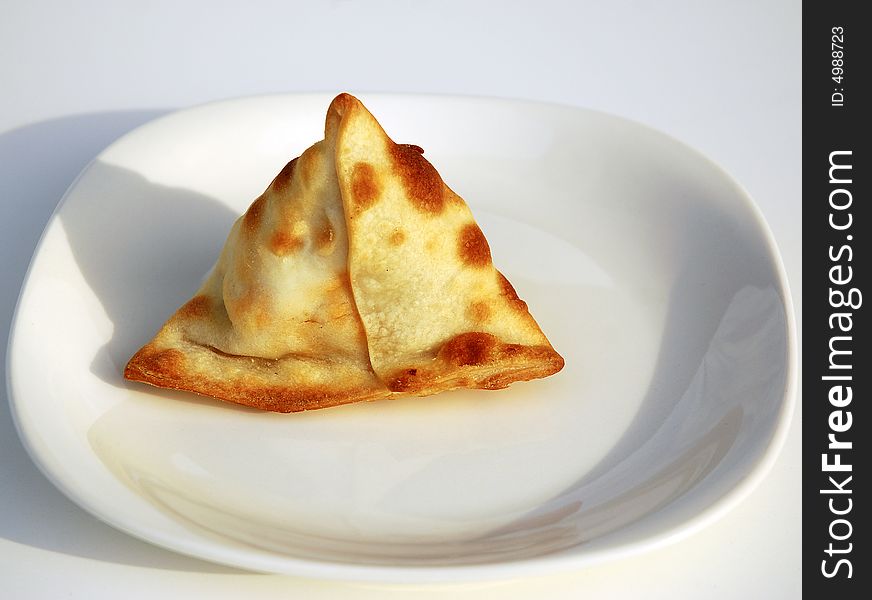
357, 275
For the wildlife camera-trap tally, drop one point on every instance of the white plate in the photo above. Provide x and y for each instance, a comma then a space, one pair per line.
650, 270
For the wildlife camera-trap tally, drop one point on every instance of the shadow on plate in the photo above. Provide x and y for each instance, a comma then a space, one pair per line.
37, 163
162, 247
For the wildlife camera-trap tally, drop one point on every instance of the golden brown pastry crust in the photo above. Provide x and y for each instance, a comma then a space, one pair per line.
173, 368
438, 315
357, 275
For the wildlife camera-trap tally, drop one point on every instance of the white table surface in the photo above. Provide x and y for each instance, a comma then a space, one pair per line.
721, 76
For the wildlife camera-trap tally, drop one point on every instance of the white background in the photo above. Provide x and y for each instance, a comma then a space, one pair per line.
722, 76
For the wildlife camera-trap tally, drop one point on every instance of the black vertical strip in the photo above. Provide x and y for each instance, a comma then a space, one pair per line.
836, 366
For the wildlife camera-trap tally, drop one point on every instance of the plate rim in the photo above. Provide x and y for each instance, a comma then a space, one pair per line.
505, 569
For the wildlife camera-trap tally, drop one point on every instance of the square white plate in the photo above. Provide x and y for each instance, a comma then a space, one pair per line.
649, 268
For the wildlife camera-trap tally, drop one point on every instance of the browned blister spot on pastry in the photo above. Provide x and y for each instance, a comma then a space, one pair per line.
282, 181
423, 184
397, 237
149, 364
325, 235
511, 349
510, 294
406, 380
195, 308
472, 246
282, 243
253, 215
365, 187
250, 309
478, 311
473, 348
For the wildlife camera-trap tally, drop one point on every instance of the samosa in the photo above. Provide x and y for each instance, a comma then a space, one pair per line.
357, 275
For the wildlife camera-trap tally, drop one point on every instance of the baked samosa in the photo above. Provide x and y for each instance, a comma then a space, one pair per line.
357, 275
